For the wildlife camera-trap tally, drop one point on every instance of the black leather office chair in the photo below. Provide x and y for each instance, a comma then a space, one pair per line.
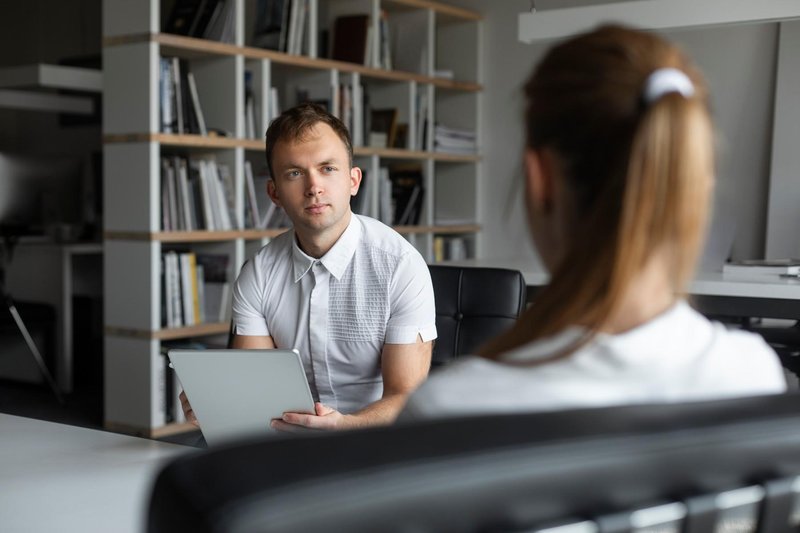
700, 464
473, 305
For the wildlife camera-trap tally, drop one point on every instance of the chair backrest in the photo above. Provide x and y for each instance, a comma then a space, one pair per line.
701, 465
473, 305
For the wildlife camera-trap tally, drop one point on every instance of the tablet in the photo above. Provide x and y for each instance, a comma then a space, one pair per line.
236, 393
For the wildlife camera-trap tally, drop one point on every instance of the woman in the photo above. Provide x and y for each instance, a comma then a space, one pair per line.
619, 174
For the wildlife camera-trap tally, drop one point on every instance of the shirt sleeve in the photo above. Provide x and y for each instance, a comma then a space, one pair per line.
412, 308
248, 294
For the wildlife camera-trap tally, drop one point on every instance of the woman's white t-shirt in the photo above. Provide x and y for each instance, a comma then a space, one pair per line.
678, 356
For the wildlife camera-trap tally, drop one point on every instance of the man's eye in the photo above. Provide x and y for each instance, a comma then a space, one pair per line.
294, 173
329, 169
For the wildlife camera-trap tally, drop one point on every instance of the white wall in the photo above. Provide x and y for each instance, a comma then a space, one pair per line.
46, 31
739, 63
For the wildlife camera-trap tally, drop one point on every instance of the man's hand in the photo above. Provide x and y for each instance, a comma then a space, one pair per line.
325, 418
187, 409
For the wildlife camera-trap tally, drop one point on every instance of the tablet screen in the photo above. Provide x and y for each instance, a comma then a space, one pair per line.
236, 393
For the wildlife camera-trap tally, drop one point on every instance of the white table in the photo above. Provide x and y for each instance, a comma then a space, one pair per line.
760, 296
55, 477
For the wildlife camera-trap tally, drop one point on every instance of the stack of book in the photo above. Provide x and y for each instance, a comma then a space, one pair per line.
197, 194
194, 288
180, 102
454, 140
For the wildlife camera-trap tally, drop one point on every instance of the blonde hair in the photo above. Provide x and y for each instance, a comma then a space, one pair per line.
641, 174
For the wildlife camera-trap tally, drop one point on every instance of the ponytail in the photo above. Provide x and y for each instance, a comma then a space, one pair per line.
645, 192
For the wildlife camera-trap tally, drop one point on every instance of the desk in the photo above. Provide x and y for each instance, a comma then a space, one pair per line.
759, 296
63, 478
53, 273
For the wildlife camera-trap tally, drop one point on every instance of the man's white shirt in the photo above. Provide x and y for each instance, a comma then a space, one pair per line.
371, 288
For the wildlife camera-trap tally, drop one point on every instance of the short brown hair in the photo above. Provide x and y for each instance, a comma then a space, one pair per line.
293, 125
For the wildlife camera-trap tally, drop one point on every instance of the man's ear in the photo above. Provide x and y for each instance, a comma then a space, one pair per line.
272, 192
539, 179
355, 180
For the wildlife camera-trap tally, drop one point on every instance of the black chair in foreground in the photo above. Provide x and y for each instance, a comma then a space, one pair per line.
703, 467
473, 304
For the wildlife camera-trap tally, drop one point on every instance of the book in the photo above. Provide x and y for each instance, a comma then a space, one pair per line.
195, 99
178, 95
190, 118
166, 90
786, 267
295, 29
269, 22
407, 189
169, 201
221, 25
206, 194
252, 219
185, 208
249, 107
181, 19
274, 108
195, 286
174, 304
204, 17
350, 34
189, 288
228, 189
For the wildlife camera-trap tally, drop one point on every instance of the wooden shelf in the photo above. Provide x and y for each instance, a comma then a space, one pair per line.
199, 330
398, 153
184, 140
192, 236
465, 228
44, 76
203, 142
190, 48
217, 236
440, 9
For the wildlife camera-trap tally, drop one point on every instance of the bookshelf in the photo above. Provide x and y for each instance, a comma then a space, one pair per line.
438, 83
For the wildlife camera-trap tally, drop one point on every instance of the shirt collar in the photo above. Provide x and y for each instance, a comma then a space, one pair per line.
337, 258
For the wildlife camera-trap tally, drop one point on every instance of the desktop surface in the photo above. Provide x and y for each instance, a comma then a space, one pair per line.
704, 283
69, 479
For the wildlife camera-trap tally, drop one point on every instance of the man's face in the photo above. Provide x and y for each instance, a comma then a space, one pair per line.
313, 181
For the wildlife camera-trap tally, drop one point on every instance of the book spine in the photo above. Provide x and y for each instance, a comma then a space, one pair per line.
200, 307
251, 194
183, 182
166, 96
176, 90
198, 111
187, 292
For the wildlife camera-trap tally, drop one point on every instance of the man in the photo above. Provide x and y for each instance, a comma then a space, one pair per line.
349, 293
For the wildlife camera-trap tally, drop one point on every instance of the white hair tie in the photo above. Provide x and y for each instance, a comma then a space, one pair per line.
667, 80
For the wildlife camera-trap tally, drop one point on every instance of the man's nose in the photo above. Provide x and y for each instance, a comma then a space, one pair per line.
314, 184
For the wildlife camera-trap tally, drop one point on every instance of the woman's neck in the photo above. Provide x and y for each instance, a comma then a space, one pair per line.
648, 295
